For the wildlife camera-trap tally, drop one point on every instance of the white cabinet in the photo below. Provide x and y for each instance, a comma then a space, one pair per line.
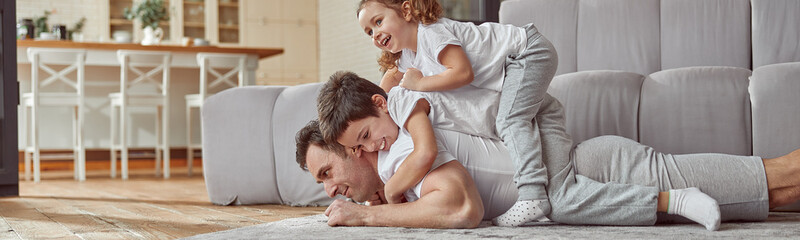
218, 21
287, 24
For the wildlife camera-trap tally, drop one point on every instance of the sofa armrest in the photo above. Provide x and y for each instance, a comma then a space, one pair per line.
238, 159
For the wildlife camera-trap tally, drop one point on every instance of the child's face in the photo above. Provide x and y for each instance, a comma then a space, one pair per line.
371, 134
388, 29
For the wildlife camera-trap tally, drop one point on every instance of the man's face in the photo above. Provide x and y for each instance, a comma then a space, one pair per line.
354, 178
370, 134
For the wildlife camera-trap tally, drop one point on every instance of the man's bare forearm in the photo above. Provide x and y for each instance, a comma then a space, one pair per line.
450, 200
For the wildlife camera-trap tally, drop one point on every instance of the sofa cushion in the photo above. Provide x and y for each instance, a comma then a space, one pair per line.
557, 20
775, 98
705, 33
776, 31
238, 164
619, 35
601, 102
293, 109
696, 110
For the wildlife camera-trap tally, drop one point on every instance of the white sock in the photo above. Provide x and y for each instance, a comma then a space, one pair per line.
524, 212
693, 204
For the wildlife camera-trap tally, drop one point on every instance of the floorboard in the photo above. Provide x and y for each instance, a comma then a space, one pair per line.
142, 207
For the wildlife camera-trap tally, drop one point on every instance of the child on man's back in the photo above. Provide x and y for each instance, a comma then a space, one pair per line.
359, 115
424, 52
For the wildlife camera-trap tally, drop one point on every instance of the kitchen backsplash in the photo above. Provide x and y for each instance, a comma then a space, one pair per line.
67, 12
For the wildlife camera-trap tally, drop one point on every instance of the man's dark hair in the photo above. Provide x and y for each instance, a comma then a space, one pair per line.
346, 97
310, 135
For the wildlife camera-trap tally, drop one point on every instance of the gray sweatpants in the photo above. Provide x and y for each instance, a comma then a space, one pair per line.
576, 199
611, 180
531, 124
528, 75
738, 183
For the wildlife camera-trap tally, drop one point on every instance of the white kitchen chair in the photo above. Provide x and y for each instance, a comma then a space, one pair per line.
56, 90
140, 86
212, 80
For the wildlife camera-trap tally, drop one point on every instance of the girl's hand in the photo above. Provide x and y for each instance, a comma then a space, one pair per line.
411, 79
392, 196
391, 78
376, 199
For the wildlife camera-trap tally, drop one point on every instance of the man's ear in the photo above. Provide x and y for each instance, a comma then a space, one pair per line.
406, 8
379, 101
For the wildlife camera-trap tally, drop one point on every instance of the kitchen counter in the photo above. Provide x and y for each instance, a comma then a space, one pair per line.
260, 52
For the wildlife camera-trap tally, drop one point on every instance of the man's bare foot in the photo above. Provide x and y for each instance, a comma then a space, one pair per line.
784, 196
783, 171
783, 179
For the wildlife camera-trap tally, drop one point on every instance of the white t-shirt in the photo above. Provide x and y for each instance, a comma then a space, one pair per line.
468, 109
486, 45
486, 160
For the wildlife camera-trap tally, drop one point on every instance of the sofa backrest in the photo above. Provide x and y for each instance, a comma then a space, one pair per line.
238, 159
557, 20
596, 103
646, 36
776, 31
294, 108
696, 110
775, 96
705, 33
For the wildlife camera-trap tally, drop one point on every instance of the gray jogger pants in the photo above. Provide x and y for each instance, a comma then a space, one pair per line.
528, 75
576, 199
738, 183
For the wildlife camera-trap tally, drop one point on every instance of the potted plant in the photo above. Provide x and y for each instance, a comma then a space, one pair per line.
75, 33
40, 23
149, 13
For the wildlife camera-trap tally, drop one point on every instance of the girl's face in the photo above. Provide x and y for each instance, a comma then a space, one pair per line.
388, 29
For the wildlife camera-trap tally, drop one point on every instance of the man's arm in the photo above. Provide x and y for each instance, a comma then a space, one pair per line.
420, 160
449, 200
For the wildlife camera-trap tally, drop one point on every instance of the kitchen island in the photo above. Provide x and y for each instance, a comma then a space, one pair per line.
102, 78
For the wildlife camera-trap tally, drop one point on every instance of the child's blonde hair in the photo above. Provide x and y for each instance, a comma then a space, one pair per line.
424, 11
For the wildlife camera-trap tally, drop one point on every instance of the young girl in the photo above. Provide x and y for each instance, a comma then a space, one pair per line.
424, 52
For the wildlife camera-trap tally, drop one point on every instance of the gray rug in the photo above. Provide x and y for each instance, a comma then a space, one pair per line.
778, 226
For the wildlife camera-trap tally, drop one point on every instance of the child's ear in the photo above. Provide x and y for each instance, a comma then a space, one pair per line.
379, 101
406, 8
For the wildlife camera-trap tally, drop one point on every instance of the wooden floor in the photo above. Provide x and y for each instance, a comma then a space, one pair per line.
142, 207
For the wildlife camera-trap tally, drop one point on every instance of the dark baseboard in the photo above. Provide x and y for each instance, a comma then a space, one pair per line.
9, 190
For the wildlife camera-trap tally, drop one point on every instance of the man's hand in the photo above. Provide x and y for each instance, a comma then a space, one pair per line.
411, 79
344, 213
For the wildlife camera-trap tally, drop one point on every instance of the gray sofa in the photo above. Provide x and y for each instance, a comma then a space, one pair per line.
682, 76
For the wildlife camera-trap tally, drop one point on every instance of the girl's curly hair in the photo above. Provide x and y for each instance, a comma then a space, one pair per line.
424, 11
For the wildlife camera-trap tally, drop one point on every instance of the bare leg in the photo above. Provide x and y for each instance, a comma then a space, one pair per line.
783, 179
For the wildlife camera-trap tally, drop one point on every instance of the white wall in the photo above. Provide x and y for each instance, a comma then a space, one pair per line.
342, 43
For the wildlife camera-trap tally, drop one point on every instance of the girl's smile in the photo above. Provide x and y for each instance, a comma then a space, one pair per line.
390, 29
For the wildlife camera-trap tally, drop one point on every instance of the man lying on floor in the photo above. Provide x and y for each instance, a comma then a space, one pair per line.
478, 184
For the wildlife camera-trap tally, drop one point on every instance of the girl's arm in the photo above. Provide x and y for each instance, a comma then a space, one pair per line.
458, 73
419, 162
391, 78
